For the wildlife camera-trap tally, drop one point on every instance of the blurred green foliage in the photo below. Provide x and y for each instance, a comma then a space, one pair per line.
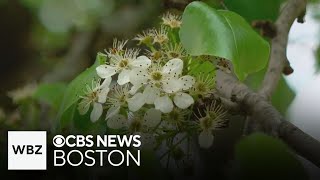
61, 16
259, 156
254, 9
50, 94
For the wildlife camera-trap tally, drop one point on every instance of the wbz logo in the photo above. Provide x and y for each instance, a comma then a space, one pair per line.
27, 150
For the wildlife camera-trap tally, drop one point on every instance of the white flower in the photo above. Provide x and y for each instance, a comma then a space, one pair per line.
95, 95
171, 20
163, 79
204, 85
214, 118
160, 36
117, 48
145, 37
155, 55
123, 64
120, 97
164, 104
175, 119
174, 51
180, 99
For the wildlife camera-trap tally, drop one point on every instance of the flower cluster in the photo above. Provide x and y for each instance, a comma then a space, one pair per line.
152, 91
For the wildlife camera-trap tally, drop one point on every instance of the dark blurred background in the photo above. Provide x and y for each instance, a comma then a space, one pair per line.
53, 40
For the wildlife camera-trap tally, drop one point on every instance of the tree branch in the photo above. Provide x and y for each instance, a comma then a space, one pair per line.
278, 58
269, 119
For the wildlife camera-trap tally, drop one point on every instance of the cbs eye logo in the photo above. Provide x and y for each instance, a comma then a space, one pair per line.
27, 150
58, 141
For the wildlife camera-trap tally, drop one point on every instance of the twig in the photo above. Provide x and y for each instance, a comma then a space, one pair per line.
278, 58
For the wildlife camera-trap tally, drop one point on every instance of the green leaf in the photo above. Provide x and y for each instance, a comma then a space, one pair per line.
198, 67
83, 124
51, 94
206, 31
255, 9
65, 118
76, 88
259, 156
282, 96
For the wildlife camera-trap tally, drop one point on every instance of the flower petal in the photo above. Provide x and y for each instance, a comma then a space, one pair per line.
106, 83
171, 85
96, 112
112, 111
150, 94
117, 121
124, 77
136, 102
173, 67
164, 104
138, 76
105, 71
183, 100
152, 117
187, 82
141, 62
134, 89
205, 139
102, 96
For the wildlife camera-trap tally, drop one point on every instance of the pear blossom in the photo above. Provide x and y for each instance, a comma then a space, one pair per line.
160, 36
94, 95
120, 97
151, 95
174, 119
171, 20
145, 38
174, 51
155, 55
123, 64
214, 118
117, 48
163, 79
203, 86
